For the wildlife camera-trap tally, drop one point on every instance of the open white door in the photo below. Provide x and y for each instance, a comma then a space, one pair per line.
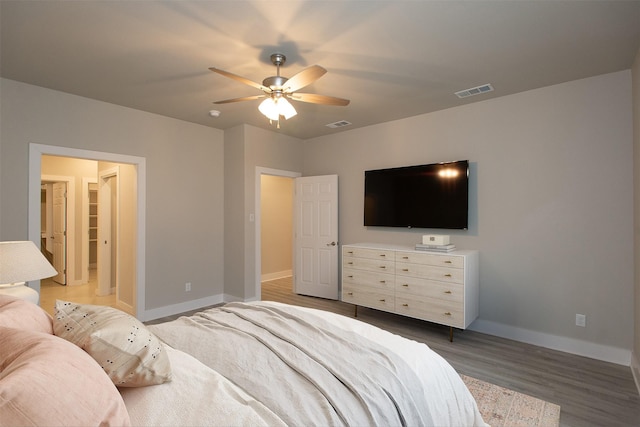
316, 236
60, 231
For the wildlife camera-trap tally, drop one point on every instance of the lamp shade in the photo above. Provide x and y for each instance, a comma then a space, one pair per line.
286, 109
21, 262
273, 108
269, 108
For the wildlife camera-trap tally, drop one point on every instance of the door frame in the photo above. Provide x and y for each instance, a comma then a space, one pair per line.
86, 181
36, 151
105, 226
257, 219
70, 263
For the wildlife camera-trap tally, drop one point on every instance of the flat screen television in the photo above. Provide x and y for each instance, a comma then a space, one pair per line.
424, 196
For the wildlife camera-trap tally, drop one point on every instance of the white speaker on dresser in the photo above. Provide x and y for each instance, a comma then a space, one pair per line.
435, 239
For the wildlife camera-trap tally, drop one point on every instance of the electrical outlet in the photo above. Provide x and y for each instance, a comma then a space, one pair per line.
187, 287
581, 320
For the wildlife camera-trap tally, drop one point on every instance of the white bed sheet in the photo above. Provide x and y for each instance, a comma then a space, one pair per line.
450, 401
198, 395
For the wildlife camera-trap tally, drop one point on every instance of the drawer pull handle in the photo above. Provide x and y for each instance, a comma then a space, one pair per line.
405, 257
350, 252
383, 255
447, 275
383, 281
447, 292
405, 269
350, 277
405, 305
382, 266
448, 262
350, 263
349, 293
447, 314
383, 300
405, 285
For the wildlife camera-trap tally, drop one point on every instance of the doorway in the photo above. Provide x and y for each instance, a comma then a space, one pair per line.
276, 218
260, 172
133, 299
83, 263
315, 222
56, 223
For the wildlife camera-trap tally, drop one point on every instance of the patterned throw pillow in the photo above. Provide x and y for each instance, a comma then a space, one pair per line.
129, 353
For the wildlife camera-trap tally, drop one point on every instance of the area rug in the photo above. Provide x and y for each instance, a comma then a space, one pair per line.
500, 406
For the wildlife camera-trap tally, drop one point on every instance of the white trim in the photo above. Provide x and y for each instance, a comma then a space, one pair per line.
35, 154
258, 227
70, 256
173, 309
617, 355
635, 369
105, 222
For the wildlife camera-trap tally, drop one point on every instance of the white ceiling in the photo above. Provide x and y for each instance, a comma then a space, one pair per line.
392, 59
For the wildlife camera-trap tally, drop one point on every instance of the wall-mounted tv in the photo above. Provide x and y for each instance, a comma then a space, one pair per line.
424, 196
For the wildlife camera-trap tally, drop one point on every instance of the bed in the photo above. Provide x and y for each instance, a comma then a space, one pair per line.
260, 363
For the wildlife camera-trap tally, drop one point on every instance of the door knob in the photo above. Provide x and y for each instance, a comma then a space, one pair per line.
331, 244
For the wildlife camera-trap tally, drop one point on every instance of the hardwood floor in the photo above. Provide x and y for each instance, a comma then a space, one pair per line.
590, 392
82, 294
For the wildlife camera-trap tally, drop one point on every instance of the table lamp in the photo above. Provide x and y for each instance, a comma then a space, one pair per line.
21, 262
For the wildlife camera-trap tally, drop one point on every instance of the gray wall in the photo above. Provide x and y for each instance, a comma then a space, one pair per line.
551, 204
264, 149
551, 197
184, 164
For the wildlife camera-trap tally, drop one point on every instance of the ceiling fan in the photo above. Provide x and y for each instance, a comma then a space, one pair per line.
278, 90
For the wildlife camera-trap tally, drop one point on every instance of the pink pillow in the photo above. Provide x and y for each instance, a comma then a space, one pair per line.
45, 380
21, 314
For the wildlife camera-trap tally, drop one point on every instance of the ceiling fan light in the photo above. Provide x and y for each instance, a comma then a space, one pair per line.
269, 108
286, 109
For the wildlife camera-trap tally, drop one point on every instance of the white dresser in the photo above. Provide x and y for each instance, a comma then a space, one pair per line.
437, 287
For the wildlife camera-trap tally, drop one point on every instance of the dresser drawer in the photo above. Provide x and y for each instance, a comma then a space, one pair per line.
433, 286
368, 278
376, 265
430, 259
431, 310
381, 254
368, 297
443, 274
408, 286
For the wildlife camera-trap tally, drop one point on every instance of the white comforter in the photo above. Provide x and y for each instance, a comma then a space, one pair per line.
199, 395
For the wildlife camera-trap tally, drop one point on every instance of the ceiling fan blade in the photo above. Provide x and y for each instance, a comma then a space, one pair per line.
240, 79
319, 99
304, 78
244, 98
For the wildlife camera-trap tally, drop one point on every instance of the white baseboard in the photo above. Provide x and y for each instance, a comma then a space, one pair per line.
277, 275
635, 369
620, 356
173, 309
77, 282
610, 354
233, 298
